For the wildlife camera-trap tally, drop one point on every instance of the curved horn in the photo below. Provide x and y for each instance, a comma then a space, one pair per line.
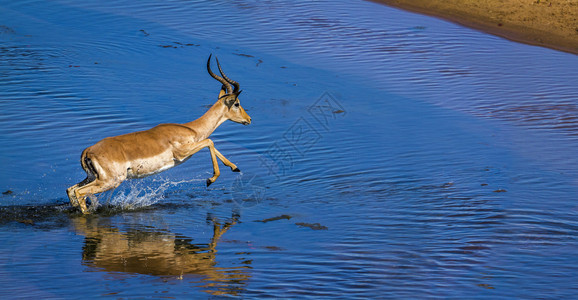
231, 81
225, 83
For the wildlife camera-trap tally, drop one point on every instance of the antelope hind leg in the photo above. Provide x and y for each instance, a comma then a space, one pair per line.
94, 187
71, 195
71, 191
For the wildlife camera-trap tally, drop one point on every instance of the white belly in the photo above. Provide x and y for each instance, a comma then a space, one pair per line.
152, 165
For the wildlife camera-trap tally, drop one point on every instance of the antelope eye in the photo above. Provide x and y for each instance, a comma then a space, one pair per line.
237, 104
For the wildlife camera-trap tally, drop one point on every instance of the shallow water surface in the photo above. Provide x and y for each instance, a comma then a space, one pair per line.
391, 155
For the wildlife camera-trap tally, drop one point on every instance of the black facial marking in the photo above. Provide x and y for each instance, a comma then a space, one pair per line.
230, 102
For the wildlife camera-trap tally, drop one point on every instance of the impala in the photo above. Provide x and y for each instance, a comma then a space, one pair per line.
134, 155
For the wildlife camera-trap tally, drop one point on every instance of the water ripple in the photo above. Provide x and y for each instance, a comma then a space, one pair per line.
448, 171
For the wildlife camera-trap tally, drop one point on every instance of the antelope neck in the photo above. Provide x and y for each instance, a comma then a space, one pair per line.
208, 122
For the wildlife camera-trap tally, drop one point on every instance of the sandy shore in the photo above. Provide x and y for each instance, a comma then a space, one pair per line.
547, 23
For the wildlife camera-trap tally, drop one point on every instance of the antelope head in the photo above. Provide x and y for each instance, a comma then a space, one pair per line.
229, 96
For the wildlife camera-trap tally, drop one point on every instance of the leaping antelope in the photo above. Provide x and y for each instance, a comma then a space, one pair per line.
139, 154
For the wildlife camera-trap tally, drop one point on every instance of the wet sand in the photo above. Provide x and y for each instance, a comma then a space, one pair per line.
546, 23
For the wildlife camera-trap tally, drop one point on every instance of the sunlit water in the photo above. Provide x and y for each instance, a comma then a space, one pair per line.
391, 155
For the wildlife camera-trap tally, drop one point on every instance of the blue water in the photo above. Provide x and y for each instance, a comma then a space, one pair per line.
391, 155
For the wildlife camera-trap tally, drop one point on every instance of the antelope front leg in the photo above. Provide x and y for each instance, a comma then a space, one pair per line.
216, 172
226, 161
207, 143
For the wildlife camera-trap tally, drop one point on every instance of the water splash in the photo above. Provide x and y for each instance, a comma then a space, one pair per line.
139, 194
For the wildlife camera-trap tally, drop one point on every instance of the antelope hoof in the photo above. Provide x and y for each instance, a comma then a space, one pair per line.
84, 210
236, 170
73, 201
72, 198
209, 182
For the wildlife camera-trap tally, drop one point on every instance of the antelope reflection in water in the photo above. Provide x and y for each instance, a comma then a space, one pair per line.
157, 252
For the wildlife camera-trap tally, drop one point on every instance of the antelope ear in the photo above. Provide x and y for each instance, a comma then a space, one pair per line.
223, 92
237, 93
